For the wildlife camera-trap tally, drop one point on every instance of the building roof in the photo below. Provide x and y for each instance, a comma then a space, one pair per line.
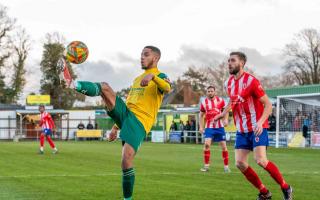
10, 107
185, 110
55, 111
302, 89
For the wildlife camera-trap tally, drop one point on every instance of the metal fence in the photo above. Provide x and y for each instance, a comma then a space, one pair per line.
285, 138
10, 129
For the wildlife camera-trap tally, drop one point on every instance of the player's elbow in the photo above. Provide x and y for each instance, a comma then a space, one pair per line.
167, 89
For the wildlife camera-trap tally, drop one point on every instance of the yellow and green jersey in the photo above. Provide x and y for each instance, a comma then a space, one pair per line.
145, 102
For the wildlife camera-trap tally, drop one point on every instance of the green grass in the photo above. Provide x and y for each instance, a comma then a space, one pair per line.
91, 170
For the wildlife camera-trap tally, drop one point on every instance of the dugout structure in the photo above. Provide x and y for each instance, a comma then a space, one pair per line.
298, 120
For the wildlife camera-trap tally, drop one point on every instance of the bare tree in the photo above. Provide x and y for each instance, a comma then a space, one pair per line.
197, 78
304, 57
21, 49
6, 27
55, 38
216, 76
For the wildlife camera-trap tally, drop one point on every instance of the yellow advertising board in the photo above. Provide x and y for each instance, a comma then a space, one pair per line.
89, 133
38, 100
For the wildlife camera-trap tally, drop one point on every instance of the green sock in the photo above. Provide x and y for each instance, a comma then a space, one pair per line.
88, 88
127, 183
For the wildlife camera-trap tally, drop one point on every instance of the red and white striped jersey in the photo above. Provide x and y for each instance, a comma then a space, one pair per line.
212, 107
46, 121
245, 94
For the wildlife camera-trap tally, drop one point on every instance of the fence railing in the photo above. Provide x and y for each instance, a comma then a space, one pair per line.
192, 137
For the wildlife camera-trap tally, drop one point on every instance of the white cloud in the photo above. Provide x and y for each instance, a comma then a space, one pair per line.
182, 29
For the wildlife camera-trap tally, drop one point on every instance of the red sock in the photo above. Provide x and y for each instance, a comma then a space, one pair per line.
41, 140
225, 156
50, 142
253, 178
276, 175
206, 155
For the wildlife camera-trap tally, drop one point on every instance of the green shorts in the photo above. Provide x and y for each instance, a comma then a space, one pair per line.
132, 130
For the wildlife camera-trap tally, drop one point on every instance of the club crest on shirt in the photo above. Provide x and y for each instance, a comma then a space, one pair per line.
256, 139
244, 86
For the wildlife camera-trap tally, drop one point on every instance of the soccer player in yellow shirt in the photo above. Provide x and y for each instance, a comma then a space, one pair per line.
135, 117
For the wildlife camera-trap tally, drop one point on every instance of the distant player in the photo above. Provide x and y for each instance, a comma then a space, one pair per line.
214, 130
135, 117
251, 108
47, 125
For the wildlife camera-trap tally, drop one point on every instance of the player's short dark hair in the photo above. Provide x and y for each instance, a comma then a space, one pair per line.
41, 106
154, 49
211, 86
241, 55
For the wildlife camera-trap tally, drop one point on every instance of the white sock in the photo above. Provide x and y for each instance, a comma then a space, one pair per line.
41, 148
55, 149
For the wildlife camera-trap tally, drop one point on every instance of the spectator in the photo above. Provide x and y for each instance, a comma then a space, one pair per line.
81, 126
297, 122
193, 129
173, 126
181, 128
315, 121
193, 125
272, 122
306, 128
89, 125
187, 126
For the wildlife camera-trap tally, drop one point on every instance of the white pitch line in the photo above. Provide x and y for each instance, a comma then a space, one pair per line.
144, 174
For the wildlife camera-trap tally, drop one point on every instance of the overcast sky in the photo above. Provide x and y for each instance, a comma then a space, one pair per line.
188, 32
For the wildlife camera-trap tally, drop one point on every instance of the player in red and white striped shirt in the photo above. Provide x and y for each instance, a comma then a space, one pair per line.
209, 108
47, 125
251, 108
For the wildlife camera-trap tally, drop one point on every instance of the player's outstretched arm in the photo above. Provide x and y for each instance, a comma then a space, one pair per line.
224, 113
163, 84
51, 121
266, 113
226, 119
201, 122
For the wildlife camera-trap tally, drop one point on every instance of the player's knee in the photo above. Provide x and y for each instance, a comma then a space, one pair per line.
126, 163
224, 148
127, 159
206, 146
241, 165
261, 161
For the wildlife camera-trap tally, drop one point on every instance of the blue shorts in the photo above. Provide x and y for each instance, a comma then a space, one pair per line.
250, 141
216, 134
47, 131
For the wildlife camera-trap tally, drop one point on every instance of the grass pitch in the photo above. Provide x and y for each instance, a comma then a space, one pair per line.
91, 170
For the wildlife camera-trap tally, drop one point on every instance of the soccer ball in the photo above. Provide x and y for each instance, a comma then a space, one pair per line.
76, 52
